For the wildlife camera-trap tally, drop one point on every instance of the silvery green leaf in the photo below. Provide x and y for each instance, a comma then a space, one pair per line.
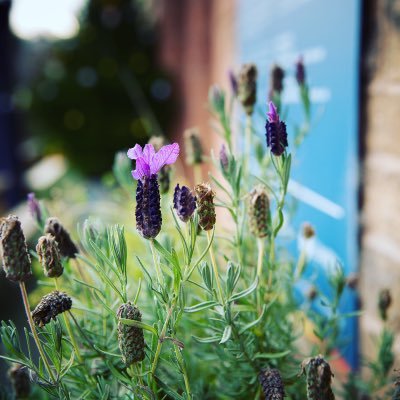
226, 335
201, 306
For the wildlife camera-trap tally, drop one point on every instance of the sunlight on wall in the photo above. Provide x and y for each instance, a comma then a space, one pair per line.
45, 18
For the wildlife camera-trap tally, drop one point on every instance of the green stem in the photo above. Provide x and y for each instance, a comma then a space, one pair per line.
247, 146
33, 329
261, 245
161, 339
181, 362
69, 330
156, 265
197, 174
215, 269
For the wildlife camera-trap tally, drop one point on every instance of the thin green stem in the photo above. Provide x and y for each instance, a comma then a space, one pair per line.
247, 146
181, 362
197, 174
161, 339
261, 245
33, 329
155, 260
69, 330
215, 269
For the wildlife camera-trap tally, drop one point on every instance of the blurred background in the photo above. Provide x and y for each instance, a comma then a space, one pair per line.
83, 79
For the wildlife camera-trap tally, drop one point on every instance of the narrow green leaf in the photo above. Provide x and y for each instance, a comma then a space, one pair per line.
269, 356
226, 335
245, 292
138, 324
201, 306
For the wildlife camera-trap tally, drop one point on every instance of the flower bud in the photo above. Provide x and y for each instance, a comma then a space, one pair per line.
247, 87
13, 250
130, 338
34, 208
148, 211
193, 148
352, 280
205, 206
308, 231
275, 132
223, 158
19, 377
65, 244
276, 79
49, 256
184, 202
259, 212
319, 378
233, 82
300, 72
216, 98
384, 302
271, 383
50, 306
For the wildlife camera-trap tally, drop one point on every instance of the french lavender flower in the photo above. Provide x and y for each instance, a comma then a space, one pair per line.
206, 207
384, 302
233, 82
193, 147
184, 202
130, 338
13, 250
276, 79
164, 175
19, 377
247, 87
319, 378
216, 98
300, 72
49, 256
271, 383
65, 244
275, 132
223, 158
259, 212
34, 208
148, 164
50, 306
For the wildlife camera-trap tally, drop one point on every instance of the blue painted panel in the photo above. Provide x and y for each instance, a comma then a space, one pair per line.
327, 34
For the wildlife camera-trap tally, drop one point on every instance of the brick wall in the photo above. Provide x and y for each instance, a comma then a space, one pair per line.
380, 240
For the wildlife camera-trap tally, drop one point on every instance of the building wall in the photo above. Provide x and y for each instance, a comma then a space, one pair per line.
380, 239
197, 47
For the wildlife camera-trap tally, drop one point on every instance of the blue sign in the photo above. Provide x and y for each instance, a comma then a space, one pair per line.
325, 169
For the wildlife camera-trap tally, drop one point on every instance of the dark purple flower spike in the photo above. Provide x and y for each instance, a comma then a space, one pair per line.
275, 131
300, 72
184, 202
148, 164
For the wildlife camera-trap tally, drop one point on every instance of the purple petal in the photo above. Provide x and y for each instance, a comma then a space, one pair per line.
273, 114
148, 153
135, 152
166, 155
142, 169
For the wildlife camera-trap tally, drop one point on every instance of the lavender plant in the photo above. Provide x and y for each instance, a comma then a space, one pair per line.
199, 302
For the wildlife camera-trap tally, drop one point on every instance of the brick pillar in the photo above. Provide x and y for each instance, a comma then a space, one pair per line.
380, 240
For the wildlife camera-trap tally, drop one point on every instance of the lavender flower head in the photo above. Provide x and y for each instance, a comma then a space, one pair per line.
300, 72
223, 158
233, 82
34, 208
275, 131
148, 164
184, 202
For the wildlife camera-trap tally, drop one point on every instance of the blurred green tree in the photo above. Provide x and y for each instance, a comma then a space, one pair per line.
101, 90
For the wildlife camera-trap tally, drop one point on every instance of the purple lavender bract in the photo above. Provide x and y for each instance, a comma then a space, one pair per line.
148, 211
148, 164
184, 202
300, 72
34, 208
275, 132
